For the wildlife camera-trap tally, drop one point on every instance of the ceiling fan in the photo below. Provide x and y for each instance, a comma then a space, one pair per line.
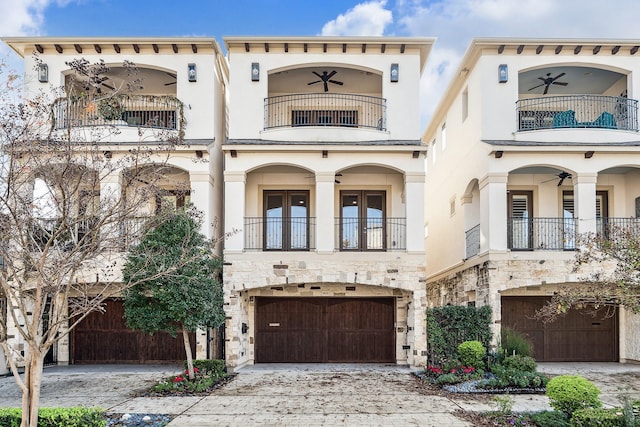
548, 81
561, 176
326, 78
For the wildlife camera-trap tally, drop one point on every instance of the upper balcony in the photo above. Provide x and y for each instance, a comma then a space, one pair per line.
559, 101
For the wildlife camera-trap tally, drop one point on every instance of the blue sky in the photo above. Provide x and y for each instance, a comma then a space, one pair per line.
452, 22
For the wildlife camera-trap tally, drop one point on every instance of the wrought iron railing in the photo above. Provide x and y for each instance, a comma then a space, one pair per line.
610, 227
325, 109
371, 234
472, 239
132, 230
59, 234
577, 111
541, 233
279, 234
163, 112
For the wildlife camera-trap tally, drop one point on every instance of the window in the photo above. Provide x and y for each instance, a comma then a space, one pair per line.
362, 220
433, 152
602, 209
465, 104
343, 118
286, 220
452, 206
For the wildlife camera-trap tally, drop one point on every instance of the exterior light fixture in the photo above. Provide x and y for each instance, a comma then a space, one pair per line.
255, 72
503, 73
191, 72
43, 73
395, 72
325, 154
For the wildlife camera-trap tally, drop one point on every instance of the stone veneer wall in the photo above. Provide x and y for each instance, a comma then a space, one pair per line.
401, 275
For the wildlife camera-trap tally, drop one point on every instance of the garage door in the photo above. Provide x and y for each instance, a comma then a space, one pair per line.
295, 330
577, 337
104, 338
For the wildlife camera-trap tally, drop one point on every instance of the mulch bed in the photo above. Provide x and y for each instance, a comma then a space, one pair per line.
221, 383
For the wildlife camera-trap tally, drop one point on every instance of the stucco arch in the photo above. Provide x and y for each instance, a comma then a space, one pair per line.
324, 65
387, 166
607, 67
292, 165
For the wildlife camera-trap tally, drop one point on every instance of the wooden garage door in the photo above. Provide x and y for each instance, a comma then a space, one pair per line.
295, 330
104, 338
576, 337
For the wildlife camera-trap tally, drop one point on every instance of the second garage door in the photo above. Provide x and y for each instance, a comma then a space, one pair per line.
577, 337
296, 330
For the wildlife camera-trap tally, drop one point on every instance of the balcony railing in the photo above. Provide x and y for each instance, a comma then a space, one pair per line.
371, 234
611, 227
541, 233
577, 111
279, 234
163, 112
472, 239
325, 109
60, 235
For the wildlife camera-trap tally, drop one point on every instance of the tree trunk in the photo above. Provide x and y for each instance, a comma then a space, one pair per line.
187, 349
32, 380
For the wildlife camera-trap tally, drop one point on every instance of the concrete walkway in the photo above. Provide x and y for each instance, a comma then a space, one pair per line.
299, 394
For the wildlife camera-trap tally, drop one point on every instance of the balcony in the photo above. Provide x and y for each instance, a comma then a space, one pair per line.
553, 234
325, 109
612, 228
59, 234
577, 111
371, 234
159, 112
279, 234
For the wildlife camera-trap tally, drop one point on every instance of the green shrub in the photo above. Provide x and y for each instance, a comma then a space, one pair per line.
568, 393
507, 377
550, 419
520, 363
513, 342
450, 378
449, 326
57, 417
472, 353
589, 417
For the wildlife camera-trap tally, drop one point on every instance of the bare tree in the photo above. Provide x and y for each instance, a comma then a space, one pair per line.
609, 265
69, 210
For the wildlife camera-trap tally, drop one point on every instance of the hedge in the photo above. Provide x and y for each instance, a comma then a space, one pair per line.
57, 417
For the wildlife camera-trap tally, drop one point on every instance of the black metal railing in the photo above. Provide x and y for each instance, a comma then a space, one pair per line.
611, 227
163, 112
472, 240
371, 234
541, 233
59, 234
577, 111
325, 109
279, 234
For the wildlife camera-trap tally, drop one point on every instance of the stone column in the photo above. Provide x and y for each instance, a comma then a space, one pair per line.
584, 199
493, 212
110, 198
325, 212
414, 208
234, 211
201, 195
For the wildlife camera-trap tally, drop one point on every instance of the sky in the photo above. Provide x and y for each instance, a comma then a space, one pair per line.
453, 22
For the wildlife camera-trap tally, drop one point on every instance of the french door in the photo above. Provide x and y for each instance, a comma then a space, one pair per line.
286, 220
520, 229
362, 221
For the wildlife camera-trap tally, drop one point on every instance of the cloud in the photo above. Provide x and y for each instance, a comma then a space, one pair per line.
365, 19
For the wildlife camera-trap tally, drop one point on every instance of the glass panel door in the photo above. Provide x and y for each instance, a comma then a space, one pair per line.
520, 232
362, 220
286, 220
299, 224
273, 216
568, 220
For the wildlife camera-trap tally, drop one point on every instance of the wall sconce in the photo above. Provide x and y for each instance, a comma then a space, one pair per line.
43, 73
255, 72
234, 153
199, 154
498, 154
325, 154
108, 155
395, 72
415, 154
191, 72
244, 328
503, 73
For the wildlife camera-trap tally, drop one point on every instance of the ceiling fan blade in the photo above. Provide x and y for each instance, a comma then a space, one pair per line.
326, 87
560, 83
172, 75
542, 78
535, 87
169, 84
336, 82
107, 86
331, 74
557, 77
546, 89
319, 75
312, 83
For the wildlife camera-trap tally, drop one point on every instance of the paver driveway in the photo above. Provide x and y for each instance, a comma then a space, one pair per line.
321, 395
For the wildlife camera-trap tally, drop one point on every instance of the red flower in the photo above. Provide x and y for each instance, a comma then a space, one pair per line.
453, 371
195, 371
178, 379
